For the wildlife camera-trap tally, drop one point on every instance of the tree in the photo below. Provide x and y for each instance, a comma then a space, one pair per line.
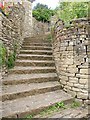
42, 12
71, 10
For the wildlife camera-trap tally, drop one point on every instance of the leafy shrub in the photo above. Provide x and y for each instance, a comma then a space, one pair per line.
11, 60
72, 10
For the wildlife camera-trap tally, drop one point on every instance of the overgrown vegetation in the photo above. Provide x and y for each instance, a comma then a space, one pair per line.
7, 60
42, 12
2, 54
49, 37
75, 104
72, 10
11, 60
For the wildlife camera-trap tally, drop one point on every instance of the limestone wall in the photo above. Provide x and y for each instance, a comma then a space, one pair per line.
11, 34
71, 49
39, 28
28, 18
32, 27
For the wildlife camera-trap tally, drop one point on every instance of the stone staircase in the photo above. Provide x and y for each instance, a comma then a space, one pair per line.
32, 85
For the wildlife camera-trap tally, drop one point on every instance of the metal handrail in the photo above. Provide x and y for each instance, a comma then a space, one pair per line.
2, 12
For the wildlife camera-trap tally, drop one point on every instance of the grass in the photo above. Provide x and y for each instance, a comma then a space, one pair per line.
56, 108
75, 104
30, 116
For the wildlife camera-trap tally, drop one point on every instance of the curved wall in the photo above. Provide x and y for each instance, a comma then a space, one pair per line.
71, 52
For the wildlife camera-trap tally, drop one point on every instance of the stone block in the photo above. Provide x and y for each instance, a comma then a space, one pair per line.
82, 76
84, 91
71, 43
63, 82
79, 85
75, 89
65, 78
70, 84
83, 81
69, 61
84, 71
70, 48
73, 80
72, 70
86, 86
82, 95
67, 87
73, 93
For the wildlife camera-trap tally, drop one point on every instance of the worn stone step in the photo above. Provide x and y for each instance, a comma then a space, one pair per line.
35, 57
34, 63
70, 113
33, 104
15, 79
11, 92
67, 113
37, 44
36, 48
37, 39
40, 52
29, 70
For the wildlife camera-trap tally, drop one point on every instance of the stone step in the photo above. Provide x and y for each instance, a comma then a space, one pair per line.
39, 52
29, 70
33, 104
37, 44
36, 48
77, 112
34, 63
11, 92
35, 57
37, 39
70, 113
15, 79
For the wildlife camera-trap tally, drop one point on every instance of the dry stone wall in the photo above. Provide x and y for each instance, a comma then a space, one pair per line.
11, 32
39, 28
71, 50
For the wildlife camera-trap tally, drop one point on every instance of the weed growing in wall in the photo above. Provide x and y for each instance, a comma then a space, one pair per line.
7, 60
10, 60
3, 53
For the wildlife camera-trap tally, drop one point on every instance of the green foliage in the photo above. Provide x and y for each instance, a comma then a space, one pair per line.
60, 105
2, 54
7, 60
11, 60
72, 10
42, 12
30, 116
75, 104
49, 37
